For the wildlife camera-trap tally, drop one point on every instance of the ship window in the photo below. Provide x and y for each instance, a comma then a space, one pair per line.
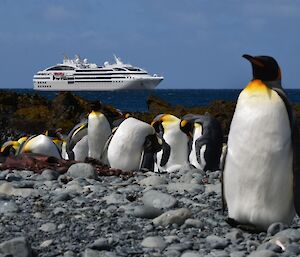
132, 69
119, 69
61, 68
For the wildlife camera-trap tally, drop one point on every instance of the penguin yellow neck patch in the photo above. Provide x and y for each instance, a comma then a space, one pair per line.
257, 85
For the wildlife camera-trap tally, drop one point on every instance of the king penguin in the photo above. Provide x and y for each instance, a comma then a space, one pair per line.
261, 170
40, 144
132, 145
174, 134
98, 133
77, 143
207, 141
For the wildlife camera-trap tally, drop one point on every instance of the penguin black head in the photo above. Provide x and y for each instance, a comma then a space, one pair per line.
264, 68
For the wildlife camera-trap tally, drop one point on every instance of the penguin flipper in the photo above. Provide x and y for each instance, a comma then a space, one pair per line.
103, 156
198, 144
296, 163
222, 167
166, 153
295, 131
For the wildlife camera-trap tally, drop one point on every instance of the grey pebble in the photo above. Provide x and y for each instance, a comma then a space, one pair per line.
81, 170
191, 254
274, 228
153, 181
185, 187
217, 242
146, 212
8, 206
48, 227
101, 244
94, 253
156, 199
63, 196
154, 242
59, 210
48, 174
173, 216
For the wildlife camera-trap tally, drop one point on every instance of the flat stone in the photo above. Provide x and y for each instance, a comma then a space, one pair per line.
48, 174
158, 200
48, 227
263, 253
115, 198
146, 212
8, 206
6, 188
217, 242
193, 223
209, 188
59, 210
276, 227
81, 170
17, 247
191, 254
94, 253
185, 187
154, 242
172, 217
153, 181
46, 243
293, 234
101, 244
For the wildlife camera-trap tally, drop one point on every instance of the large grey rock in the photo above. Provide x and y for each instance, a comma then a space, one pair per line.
81, 170
156, 199
153, 181
172, 217
17, 247
292, 234
154, 242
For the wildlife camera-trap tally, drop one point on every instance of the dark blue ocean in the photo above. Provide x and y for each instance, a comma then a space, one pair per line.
135, 100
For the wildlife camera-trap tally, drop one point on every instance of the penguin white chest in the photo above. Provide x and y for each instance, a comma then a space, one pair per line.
258, 175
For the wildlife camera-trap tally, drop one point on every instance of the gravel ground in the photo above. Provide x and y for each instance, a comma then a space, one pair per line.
149, 214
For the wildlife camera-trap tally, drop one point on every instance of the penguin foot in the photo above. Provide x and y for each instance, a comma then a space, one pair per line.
247, 227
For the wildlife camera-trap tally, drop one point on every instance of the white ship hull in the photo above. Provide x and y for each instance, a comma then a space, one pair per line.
79, 75
63, 85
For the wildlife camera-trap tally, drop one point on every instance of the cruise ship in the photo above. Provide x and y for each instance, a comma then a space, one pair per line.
80, 75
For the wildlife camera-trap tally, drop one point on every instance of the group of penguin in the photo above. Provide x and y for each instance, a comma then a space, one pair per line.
260, 165
167, 144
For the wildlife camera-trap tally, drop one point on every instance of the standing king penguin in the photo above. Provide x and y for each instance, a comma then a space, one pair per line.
175, 134
206, 148
261, 169
98, 133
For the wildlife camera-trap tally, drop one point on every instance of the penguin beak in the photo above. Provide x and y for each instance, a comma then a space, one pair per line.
253, 60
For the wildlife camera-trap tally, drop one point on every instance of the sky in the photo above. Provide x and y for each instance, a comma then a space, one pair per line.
194, 44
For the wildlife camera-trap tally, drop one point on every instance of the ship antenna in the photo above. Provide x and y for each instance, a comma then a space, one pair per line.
117, 60
66, 58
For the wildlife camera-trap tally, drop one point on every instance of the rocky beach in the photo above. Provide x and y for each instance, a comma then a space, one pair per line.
83, 212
